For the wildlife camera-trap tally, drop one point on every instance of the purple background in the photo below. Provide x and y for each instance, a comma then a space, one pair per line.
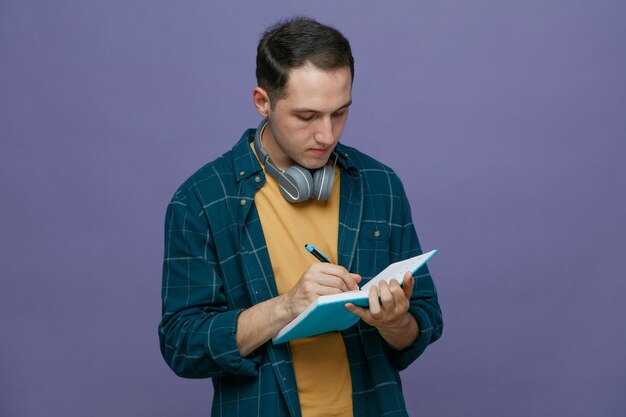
505, 119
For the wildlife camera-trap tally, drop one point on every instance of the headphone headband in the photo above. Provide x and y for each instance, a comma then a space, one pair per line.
263, 155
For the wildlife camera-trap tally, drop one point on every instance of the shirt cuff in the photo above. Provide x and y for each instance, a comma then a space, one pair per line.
222, 345
401, 359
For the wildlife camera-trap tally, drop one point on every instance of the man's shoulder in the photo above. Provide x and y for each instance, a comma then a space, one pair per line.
218, 177
366, 164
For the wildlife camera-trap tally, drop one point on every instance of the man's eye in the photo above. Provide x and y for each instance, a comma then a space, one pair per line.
305, 118
339, 114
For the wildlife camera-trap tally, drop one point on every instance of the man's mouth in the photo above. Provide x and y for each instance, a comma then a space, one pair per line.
320, 151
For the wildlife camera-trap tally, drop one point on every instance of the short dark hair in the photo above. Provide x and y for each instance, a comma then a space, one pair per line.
291, 44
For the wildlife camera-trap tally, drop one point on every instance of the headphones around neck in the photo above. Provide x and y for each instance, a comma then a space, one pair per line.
297, 184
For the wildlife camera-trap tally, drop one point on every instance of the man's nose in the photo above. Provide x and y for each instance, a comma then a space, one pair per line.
324, 134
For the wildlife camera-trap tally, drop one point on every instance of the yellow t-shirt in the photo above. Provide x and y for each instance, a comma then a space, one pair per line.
320, 363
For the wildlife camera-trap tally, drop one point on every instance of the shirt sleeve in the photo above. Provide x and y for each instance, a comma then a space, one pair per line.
424, 304
198, 331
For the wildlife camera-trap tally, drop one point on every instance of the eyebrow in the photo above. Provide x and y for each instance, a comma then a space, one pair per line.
305, 110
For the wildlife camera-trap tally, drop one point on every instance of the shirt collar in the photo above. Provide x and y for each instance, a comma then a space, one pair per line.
245, 161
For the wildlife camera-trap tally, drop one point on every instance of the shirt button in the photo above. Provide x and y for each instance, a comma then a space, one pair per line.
242, 202
257, 178
376, 233
242, 173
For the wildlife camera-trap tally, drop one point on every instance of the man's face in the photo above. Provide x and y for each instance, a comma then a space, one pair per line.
306, 124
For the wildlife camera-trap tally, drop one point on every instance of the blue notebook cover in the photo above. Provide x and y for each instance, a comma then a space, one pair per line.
328, 313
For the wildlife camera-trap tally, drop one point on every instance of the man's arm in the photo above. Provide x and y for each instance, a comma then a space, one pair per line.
423, 301
197, 330
409, 317
199, 336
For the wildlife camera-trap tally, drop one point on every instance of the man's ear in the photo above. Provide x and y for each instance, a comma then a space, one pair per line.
261, 101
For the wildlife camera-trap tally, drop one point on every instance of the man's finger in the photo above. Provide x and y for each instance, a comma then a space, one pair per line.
356, 310
375, 308
397, 292
386, 296
334, 282
342, 273
407, 284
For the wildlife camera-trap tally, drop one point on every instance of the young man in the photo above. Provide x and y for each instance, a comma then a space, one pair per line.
236, 271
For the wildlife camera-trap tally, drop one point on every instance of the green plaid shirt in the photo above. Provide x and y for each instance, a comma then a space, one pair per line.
216, 265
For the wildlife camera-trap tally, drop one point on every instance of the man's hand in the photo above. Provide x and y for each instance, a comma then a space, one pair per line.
319, 279
261, 322
391, 314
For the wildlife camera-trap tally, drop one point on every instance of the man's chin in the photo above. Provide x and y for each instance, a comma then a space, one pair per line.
313, 161
313, 165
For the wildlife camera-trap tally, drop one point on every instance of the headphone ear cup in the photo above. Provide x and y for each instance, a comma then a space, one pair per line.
296, 184
323, 179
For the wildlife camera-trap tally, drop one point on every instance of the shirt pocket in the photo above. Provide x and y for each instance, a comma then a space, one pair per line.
374, 249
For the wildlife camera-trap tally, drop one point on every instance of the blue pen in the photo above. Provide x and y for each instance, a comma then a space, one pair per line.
317, 253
